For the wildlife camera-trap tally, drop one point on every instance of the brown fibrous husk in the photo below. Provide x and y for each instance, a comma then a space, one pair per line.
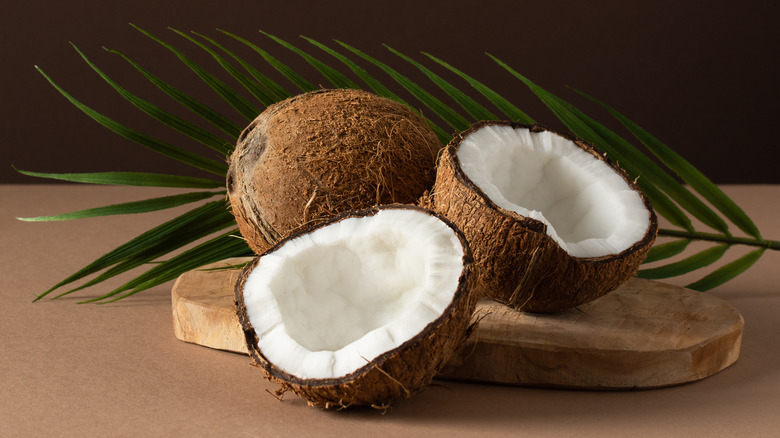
396, 374
318, 154
516, 262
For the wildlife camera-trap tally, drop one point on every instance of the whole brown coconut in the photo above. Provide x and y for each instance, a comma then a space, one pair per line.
312, 156
552, 224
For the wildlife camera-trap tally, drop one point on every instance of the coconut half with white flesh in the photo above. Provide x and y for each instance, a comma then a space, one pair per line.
552, 223
360, 310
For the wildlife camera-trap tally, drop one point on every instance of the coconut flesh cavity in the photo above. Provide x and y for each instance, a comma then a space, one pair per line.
589, 209
361, 310
551, 222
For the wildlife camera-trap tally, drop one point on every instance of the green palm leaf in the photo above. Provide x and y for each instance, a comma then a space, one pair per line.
297, 80
687, 172
253, 87
144, 241
509, 110
689, 264
666, 250
477, 111
450, 116
222, 122
636, 164
190, 130
131, 179
158, 146
268, 90
670, 198
334, 76
225, 246
727, 271
375, 85
144, 206
176, 238
241, 105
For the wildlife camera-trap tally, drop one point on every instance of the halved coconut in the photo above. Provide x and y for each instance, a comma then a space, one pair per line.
360, 310
307, 158
551, 222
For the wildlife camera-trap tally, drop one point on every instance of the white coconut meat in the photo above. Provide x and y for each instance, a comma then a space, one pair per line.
326, 303
589, 210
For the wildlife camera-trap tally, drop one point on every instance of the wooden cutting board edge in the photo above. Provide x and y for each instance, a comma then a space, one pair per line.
514, 348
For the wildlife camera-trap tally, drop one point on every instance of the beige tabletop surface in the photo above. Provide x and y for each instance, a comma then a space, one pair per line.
117, 369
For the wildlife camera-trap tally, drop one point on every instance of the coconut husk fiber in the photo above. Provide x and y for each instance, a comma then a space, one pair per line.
312, 156
516, 262
397, 374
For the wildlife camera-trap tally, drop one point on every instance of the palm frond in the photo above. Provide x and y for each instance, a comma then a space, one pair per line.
235, 99
670, 198
143, 206
143, 179
210, 115
148, 142
189, 129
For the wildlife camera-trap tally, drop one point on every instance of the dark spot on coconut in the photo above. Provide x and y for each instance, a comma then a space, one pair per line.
230, 181
246, 131
261, 141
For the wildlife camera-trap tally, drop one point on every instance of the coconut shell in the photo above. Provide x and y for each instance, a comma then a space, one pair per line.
305, 159
396, 374
516, 262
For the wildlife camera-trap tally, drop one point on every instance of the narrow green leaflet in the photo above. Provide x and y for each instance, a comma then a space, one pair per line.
335, 77
666, 250
477, 111
131, 179
509, 110
227, 245
690, 264
144, 206
143, 241
657, 175
148, 142
636, 163
378, 88
450, 116
375, 85
257, 90
727, 271
194, 132
177, 238
282, 68
241, 105
274, 91
223, 123
661, 203
687, 172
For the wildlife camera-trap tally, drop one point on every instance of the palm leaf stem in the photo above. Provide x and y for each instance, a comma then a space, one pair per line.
713, 237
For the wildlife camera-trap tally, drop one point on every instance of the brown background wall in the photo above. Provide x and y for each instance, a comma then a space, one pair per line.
701, 76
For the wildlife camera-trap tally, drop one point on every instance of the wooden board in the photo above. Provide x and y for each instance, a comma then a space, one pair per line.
646, 334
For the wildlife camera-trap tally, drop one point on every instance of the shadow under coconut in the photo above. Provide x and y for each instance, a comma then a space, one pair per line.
448, 405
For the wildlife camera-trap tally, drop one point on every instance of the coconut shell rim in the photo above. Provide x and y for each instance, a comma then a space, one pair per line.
537, 226
460, 294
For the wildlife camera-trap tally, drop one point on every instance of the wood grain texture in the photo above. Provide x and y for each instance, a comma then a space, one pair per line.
645, 334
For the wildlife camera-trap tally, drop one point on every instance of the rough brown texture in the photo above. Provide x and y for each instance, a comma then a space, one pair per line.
516, 262
310, 157
396, 374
